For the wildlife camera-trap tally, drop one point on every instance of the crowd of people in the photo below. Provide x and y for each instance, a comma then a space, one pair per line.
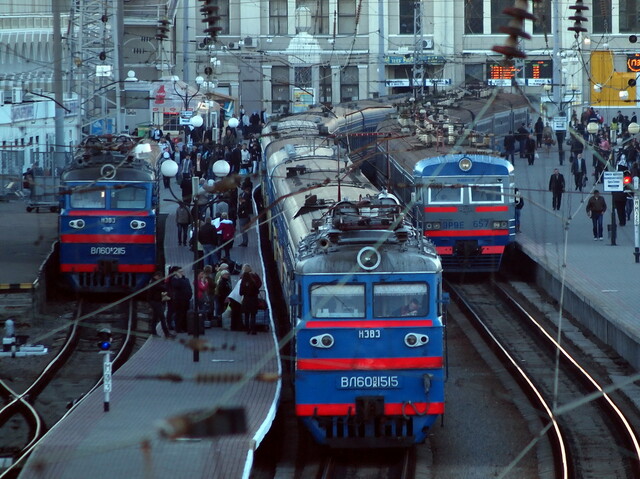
208, 221
611, 146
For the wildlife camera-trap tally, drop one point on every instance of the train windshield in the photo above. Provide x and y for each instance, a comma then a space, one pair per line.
128, 198
87, 197
391, 300
486, 194
444, 194
337, 300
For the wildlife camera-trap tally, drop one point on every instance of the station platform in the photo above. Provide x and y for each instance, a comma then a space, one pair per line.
597, 281
27, 239
236, 371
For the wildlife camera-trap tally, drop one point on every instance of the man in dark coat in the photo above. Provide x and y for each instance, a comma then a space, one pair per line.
157, 297
208, 238
521, 135
181, 296
556, 187
596, 206
530, 149
579, 170
510, 147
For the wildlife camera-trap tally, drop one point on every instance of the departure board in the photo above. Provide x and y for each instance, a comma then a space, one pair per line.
536, 72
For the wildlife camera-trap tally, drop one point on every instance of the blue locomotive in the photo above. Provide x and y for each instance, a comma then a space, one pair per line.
108, 213
364, 290
466, 207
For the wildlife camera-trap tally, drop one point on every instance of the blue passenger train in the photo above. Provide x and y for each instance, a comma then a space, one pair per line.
364, 288
108, 212
467, 208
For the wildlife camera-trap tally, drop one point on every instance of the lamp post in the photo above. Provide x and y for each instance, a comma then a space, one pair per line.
633, 129
186, 98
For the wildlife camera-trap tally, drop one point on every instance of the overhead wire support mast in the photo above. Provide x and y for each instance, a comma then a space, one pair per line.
418, 51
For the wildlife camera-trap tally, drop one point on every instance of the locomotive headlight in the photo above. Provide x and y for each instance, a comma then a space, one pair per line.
369, 258
77, 224
497, 225
323, 341
415, 340
137, 224
432, 225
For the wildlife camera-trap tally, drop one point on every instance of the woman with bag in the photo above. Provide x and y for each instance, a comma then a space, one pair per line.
250, 284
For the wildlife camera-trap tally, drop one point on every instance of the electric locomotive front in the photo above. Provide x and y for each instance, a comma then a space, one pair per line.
107, 222
467, 208
369, 366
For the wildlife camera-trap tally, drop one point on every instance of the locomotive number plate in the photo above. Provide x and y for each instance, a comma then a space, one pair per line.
369, 334
368, 382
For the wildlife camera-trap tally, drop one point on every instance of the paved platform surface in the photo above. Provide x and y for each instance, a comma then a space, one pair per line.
125, 442
26, 240
605, 277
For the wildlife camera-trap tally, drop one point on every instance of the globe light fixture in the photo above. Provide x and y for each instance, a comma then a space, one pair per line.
592, 127
169, 168
233, 123
221, 168
633, 128
196, 121
624, 95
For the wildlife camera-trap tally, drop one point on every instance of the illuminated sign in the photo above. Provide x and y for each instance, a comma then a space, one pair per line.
633, 62
536, 73
538, 69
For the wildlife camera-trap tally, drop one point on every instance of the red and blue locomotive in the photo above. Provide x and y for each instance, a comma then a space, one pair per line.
467, 209
364, 290
107, 222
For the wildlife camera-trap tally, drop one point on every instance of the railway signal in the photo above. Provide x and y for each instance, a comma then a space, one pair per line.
104, 344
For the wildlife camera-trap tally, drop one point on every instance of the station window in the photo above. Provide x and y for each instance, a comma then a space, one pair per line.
392, 300
337, 300
486, 194
129, 198
444, 194
87, 197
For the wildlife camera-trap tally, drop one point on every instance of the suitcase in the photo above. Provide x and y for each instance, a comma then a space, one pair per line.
262, 316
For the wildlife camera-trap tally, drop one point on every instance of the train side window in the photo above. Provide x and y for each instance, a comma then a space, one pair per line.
391, 300
129, 198
444, 194
337, 300
84, 197
486, 194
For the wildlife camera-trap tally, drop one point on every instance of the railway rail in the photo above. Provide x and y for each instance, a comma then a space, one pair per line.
592, 431
75, 362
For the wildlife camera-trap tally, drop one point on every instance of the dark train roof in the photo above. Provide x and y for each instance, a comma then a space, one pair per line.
448, 165
109, 159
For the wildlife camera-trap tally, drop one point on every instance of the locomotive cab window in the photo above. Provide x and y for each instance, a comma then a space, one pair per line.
87, 197
130, 197
391, 300
486, 194
444, 194
337, 300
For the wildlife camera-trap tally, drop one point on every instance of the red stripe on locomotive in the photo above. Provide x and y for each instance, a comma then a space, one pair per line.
445, 233
122, 268
108, 213
440, 209
369, 324
491, 209
108, 239
390, 409
368, 364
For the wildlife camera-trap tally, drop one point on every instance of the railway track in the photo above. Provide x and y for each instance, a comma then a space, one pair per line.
588, 423
75, 367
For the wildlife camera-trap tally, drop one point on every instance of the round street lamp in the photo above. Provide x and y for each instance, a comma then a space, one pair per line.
196, 121
633, 128
592, 127
221, 168
169, 168
233, 123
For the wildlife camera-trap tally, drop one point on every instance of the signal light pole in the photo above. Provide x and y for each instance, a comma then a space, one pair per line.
104, 344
